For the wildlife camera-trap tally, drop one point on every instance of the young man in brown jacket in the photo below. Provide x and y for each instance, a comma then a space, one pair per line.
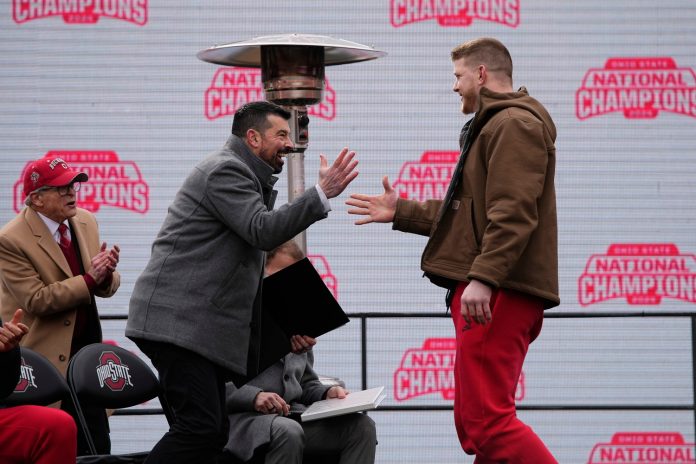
493, 244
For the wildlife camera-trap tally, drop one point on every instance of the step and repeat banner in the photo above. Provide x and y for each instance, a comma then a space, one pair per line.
114, 87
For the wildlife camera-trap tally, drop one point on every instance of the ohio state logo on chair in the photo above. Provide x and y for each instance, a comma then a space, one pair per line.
26, 378
112, 373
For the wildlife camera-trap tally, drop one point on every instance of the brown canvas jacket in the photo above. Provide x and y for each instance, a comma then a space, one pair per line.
500, 225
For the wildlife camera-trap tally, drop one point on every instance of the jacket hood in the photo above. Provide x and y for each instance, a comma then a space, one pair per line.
491, 102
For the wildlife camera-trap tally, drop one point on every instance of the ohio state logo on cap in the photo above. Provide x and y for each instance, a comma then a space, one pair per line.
112, 373
26, 378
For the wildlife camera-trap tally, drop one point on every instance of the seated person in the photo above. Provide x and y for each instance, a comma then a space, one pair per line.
259, 409
29, 434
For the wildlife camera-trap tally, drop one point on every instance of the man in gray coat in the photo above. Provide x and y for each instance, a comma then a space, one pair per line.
195, 308
259, 409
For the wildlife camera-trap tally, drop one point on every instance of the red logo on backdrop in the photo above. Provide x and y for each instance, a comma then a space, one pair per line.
233, 87
80, 11
112, 373
427, 178
643, 448
26, 378
322, 267
111, 182
458, 13
642, 273
638, 87
430, 369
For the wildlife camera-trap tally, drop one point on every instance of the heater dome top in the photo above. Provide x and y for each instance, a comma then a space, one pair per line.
247, 53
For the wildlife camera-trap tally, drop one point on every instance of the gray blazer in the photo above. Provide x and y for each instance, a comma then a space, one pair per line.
199, 289
293, 378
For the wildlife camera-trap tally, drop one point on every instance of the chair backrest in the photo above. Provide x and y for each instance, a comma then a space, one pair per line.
40, 383
110, 377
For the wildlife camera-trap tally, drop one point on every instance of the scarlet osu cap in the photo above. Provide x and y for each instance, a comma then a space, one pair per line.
50, 172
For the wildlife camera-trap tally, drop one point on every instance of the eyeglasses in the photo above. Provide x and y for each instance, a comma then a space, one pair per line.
63, 189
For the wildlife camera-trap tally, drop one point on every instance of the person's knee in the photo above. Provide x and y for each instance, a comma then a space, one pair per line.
366, 427
478, 432
58, 427
489, 432
204, 432
287, 433
362, 429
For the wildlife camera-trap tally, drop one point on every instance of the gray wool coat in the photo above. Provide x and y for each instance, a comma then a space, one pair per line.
199, 289
293, 378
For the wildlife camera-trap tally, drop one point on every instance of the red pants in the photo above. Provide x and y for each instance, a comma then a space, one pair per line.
37, 435
486, 371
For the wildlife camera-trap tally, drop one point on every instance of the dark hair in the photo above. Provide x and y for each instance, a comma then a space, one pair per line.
254, 115
290, 248
488, 51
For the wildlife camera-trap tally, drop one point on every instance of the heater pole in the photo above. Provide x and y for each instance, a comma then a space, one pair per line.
296, 172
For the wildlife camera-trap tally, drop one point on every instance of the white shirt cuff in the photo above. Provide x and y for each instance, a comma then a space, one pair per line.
324, 200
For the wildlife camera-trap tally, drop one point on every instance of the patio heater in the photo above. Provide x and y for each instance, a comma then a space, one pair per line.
292, 71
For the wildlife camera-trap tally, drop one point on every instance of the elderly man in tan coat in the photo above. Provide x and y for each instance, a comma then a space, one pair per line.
52, 265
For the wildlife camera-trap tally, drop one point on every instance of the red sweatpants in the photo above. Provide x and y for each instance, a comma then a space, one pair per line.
37, 435
486, 371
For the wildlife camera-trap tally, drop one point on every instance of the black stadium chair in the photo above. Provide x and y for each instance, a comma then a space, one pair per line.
40, 383
110, 377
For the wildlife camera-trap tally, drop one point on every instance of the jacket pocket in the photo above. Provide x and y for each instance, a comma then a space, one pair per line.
233, 288
454, 244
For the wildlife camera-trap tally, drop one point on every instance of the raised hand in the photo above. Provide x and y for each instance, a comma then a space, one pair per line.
377, 208
11, 333
335, 178
104, 263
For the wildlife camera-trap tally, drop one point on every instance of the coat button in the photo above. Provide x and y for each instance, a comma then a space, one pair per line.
66, 322
61, 357
286, 377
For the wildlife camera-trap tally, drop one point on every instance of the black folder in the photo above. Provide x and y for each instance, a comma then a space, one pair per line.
295, 301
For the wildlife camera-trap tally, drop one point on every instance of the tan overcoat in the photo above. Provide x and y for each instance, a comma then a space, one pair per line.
35, 276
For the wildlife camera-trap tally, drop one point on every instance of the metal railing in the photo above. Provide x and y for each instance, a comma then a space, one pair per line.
364, 318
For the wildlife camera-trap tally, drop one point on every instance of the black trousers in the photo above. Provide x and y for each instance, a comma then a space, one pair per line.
195, 390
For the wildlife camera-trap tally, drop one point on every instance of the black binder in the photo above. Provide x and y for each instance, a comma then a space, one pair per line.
295, 301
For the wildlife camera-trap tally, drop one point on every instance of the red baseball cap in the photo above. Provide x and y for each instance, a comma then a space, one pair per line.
50, 172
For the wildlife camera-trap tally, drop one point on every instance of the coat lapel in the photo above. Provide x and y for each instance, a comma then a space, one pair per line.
46, 241
79, 229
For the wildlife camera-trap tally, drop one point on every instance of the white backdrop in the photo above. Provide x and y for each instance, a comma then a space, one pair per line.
115, 86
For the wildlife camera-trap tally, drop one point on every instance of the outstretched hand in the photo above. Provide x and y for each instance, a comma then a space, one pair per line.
380, 208
11, 333
335, 178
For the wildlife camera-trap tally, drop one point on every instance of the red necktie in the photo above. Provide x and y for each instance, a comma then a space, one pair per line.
64, 236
